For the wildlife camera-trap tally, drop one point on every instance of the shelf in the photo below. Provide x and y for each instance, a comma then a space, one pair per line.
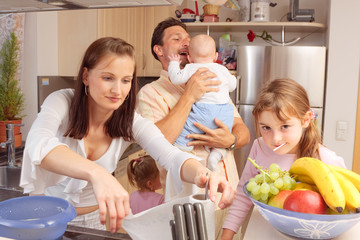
255, 26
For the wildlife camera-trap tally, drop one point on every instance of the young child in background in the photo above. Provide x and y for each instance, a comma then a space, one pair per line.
202, 53
285, 122
144, 175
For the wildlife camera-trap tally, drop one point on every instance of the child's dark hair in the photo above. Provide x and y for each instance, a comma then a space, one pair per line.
140, 170
287, 98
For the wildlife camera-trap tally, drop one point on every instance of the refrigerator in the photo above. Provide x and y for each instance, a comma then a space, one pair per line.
258, 64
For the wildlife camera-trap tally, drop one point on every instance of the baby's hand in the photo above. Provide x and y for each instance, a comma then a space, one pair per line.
174, 57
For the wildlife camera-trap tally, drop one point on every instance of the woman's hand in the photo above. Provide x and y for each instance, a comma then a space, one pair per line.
110, 196
217, 183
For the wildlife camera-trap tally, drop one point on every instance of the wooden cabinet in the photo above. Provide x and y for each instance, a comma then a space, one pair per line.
135, 25
76, 31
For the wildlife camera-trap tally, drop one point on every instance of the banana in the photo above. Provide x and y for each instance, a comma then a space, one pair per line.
352, 176
303, 179
352, 195
323, 178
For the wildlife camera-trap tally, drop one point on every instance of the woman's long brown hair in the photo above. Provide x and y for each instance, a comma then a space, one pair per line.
121, 121
287, 98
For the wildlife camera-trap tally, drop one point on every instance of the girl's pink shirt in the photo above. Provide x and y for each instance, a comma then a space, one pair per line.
264, 156
141, 201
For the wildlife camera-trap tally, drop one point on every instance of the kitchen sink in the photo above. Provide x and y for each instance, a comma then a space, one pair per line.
10, 177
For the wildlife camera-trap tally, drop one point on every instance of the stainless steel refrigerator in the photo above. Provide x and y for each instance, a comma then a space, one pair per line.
257, 64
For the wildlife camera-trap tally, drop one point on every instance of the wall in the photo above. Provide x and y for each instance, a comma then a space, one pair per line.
342, 75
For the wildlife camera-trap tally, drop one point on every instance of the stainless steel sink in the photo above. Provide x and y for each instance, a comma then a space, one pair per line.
10, 177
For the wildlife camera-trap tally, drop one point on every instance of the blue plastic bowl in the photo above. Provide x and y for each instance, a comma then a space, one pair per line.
304, 225
35, 217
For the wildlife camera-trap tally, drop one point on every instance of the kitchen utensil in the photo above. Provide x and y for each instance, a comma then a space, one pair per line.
200, 220
35, 217
180, 224
304, 225
187, 15
190, 221
173, 231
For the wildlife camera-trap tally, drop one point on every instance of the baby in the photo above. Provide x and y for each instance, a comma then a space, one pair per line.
202, 53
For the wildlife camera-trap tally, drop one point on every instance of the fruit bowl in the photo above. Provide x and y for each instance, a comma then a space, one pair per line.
304, 225
35, 217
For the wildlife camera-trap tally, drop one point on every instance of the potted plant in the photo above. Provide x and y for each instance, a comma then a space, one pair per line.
11, 96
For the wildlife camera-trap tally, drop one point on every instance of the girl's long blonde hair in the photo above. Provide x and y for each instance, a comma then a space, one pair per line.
287, 98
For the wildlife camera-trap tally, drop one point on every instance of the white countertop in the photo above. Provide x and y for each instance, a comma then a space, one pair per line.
259, 229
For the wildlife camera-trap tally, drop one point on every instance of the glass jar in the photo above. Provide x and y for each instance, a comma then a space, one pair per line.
260, 10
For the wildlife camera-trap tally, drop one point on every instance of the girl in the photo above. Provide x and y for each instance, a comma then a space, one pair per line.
285, 122
144, 174
79, 135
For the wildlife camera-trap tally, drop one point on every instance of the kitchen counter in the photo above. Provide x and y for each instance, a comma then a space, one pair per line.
259, 229
72, 232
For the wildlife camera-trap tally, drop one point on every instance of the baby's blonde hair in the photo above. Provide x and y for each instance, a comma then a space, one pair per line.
202, 46
287, 98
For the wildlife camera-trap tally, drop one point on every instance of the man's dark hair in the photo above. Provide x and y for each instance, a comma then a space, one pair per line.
158, 34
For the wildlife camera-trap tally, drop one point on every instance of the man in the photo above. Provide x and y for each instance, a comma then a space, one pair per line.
169, 105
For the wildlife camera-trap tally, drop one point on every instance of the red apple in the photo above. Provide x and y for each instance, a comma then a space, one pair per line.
305, 201
279, 199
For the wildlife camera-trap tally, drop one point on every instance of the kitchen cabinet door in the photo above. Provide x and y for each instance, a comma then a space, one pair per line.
76, 31
135, 25
127, 24
154, 15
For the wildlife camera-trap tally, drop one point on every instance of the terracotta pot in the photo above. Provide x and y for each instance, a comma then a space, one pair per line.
17, 133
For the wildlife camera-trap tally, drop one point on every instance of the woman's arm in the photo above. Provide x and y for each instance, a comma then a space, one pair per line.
108, 191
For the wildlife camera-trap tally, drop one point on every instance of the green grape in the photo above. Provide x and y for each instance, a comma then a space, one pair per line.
287, 181
267, 178
293, 183
274, 175
252, 180
264, 196
274, 167
251, 185
279, 183
255, 196
265, 188
273, 190
258, 178
256, 189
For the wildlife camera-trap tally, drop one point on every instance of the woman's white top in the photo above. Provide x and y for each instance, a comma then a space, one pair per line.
47, 133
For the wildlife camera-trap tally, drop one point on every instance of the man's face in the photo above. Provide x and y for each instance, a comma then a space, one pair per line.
175, 41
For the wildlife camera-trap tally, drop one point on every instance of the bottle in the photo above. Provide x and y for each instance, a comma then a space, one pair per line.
260, 10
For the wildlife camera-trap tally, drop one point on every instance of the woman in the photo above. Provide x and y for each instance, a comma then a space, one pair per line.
78, 137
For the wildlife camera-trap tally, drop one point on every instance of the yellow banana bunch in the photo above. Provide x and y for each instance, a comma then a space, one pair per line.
324, 179
303, 179
350, 175
352, 195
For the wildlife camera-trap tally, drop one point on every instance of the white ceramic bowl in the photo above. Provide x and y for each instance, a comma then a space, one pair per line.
304, 225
